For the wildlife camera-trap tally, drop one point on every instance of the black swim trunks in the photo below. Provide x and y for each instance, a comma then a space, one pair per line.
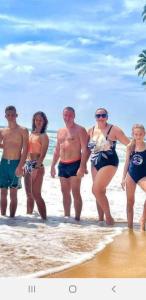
68, 169
137, 165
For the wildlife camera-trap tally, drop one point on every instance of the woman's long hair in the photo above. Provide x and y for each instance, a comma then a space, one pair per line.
43, 115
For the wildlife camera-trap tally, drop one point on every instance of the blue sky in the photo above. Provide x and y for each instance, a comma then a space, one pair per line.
57, 53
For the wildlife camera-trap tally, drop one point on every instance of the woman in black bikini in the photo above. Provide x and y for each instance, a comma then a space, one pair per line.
135, 171
104, 159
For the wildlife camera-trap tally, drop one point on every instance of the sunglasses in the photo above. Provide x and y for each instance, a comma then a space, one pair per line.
101, 116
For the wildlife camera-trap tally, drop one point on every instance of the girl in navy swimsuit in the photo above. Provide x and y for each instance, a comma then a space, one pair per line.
135, 171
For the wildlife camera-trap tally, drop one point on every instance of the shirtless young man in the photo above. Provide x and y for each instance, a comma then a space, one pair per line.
15, 146
72, 151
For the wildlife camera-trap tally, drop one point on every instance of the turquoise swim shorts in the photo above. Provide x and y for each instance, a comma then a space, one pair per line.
8, 179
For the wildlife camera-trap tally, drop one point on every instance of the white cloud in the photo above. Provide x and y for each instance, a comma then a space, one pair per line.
24, 69
124, 66
45, 61
124, 42
86, 42
11, 18
134, 5
19, 49
71, 25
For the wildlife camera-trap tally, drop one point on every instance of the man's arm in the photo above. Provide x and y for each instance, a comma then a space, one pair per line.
25, 137
56, 156
1, 138
84, 152
45, 144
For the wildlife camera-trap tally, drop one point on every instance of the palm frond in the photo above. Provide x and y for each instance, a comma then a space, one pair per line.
142, 72
140, 64
142, 60
143, 55
144, 13
144, 10
144, 51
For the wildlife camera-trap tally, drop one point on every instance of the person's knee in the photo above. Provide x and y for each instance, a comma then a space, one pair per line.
36, 195
13, 194
28, 193
97, 191
13, 200
76, 193
130, 204
65, 191
4, 193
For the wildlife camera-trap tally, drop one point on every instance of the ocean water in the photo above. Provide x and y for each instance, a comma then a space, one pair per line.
31, 247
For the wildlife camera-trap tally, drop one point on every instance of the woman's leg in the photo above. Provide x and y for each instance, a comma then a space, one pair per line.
36, 191
99, 209
101, 181
130, 191
28, 189
142, 184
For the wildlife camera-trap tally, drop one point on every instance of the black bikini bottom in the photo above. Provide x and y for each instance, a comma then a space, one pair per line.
105, 158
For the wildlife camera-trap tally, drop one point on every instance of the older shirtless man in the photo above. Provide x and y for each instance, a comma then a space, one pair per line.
72, 151
14, 141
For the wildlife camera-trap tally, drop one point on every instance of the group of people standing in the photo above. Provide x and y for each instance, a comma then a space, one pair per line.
23, 155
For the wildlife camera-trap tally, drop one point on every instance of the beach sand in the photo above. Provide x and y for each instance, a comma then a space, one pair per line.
125, 257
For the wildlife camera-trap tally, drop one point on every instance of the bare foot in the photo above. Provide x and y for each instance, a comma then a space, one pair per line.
101, 219
110, 221
101, 223
130, 227
142, 224
77, 218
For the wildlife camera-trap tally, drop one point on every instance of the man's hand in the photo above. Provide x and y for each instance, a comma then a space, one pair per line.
81, 171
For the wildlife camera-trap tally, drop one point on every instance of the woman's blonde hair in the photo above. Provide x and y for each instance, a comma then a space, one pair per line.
132, 144
139, 126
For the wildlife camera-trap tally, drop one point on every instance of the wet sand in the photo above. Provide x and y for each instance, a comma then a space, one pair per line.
125, 257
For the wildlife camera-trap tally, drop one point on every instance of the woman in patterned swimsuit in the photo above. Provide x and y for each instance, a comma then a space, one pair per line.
104, 159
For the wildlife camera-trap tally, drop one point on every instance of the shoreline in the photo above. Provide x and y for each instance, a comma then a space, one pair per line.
125, 257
